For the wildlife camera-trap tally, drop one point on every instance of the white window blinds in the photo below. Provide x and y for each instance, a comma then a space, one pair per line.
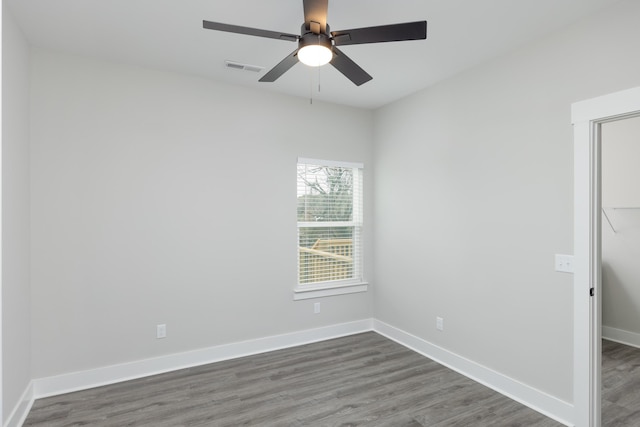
329, 213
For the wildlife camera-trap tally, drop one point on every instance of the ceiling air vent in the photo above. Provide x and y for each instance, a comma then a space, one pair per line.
244, 67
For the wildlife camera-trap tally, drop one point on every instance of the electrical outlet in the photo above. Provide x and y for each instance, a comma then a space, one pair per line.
161, 331
316, 307
440, 323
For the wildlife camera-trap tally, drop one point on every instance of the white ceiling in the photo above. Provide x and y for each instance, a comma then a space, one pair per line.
168, 34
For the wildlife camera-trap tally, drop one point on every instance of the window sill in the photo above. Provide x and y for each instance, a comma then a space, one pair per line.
319, 291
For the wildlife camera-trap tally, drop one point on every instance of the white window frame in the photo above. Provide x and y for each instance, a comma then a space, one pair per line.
337, 287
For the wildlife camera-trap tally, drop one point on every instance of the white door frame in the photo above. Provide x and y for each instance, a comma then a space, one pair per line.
587, 117
1, 287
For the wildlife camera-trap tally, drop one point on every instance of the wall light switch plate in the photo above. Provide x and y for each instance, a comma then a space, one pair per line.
564, 263
161, 331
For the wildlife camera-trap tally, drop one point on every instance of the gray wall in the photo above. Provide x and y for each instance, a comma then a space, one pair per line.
16, 333
474, 189
162, 198
151, 191
621, 250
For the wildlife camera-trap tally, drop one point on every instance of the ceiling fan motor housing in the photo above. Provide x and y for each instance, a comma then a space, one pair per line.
309, 37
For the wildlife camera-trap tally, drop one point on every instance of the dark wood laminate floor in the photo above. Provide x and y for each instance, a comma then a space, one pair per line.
620, 385
360, 380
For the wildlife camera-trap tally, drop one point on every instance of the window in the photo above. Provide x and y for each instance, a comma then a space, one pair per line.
329, 213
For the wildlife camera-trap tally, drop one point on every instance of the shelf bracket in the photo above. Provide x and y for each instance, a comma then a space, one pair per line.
604, 212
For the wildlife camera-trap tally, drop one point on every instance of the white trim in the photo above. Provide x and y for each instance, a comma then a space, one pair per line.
621, 336
586, 117
604, 107
302, 292
535, 399
1, 221
586, 388
331, 163
74, 381
21, 410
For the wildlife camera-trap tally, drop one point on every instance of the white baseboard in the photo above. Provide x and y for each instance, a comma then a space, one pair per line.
20, 412
42, 387
621, 336
74, 381
535, 399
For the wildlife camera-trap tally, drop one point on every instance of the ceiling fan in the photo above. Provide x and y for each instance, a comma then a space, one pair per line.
317, 45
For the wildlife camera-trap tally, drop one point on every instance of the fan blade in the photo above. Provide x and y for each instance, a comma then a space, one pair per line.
350, 69
281, 68
383, 33
316, 11
248, 31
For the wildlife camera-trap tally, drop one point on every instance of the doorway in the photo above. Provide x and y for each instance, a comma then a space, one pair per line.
587, 118
620, 239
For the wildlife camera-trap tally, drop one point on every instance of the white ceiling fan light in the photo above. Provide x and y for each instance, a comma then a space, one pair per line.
315, 50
